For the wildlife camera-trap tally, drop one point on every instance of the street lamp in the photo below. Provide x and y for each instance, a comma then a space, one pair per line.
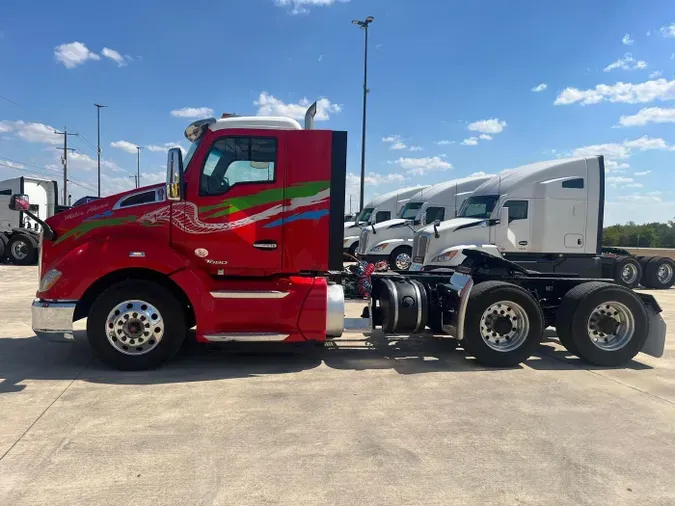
138, 166
98, 146
364, 26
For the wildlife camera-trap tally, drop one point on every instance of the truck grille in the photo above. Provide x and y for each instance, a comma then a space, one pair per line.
420, 245
363, 241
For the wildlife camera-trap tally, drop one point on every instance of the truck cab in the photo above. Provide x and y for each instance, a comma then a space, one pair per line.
392, 240
378, 210
545, 216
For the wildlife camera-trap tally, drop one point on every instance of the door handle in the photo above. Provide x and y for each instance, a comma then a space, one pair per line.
522, 243
265, 244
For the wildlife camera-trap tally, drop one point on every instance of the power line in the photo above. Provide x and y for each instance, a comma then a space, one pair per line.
44, 171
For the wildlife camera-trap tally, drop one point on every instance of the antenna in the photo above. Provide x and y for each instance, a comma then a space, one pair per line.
456, 190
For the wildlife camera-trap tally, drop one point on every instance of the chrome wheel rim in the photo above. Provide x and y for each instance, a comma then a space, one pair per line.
134, 327
629, 274
504, 326
19, 250
665, 273
402, 261
611, 326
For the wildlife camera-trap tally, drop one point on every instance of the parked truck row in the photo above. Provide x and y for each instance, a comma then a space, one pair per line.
225, 240
556, 214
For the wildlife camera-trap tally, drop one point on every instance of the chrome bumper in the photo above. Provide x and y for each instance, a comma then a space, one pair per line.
53, 320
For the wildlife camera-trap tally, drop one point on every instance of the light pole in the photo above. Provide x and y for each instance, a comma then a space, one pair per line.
364, 27
138, 165
98, 145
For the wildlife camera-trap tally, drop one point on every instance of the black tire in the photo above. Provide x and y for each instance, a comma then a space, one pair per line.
3, 246
575, 311
634, 268
651, 274
395, 253
483, 296
170, 312
28, 244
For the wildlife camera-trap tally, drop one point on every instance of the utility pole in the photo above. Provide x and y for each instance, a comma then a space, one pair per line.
135, 178
98, 145
138, 165
64, 161
364, 26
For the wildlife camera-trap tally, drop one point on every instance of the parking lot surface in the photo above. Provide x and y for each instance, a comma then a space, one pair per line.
365, 421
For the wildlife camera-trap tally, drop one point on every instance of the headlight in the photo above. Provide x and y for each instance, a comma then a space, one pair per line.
380, 247
49, 279
445, 257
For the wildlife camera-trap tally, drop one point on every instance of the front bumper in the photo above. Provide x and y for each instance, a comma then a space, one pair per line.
53, 320
372, 258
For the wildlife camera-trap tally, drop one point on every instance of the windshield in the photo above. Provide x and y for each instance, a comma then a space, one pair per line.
409, 211
365, 214
191, 152
478, 207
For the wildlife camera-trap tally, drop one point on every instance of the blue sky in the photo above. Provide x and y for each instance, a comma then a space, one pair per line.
451, 85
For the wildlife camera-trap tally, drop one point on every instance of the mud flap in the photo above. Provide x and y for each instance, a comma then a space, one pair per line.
656, 339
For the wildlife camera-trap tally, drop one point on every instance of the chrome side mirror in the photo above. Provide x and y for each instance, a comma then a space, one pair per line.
19, 202
174, 174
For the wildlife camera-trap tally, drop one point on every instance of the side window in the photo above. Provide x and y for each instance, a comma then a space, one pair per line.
434, 213
382, 216
6, 192
517, 209
577, 183
238, 160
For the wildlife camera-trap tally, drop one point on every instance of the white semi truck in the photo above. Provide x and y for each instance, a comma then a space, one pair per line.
379, 209
546, 217
392, 240
19, 234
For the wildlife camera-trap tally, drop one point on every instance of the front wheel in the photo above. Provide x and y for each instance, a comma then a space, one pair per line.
136, 325
503, 324
401, 258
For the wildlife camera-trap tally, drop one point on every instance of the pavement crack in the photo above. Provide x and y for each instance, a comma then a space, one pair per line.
45, 410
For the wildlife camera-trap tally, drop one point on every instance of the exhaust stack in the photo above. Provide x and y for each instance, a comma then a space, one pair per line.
309, 117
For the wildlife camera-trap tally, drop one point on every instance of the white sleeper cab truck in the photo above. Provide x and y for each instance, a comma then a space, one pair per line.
392, 240
20, 234
379, 209
546, 217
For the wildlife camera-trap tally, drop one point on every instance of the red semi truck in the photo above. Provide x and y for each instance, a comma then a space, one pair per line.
244, 241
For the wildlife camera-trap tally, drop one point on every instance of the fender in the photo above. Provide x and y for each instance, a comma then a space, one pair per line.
348, 241
387, 246
86, 263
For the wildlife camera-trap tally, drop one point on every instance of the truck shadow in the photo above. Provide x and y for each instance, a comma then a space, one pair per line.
24, 360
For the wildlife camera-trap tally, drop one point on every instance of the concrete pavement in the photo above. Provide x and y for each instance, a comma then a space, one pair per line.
365, 421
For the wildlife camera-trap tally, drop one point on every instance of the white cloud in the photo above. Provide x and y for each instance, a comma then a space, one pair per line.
301, 6
114, 56
488, 126
192, 112
638, 197
395, 141
485, 137
11, 164
268, 105
163, 148
648, 115
32, 132
626, 63
416, 148
80, 161
626, 40
655, 74
471, 141
619, 180
420, 166
627, 93
74, 54
320, 57
614, 166
376, 179
668, 31
479, 173
126, 146
540, 87
645, 143
633, 185
642, 173
444, 142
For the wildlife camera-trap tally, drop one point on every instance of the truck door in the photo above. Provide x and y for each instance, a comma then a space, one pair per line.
234, 189
518, 233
